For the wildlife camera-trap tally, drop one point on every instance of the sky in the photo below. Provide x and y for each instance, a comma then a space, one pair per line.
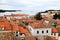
30, 6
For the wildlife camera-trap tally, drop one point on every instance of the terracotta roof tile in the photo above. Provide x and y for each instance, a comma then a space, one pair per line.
23, 30
14, 26
54, 30
16, 15
39, 25
13, 18
6, 25
1, 26
58, 22
19, 14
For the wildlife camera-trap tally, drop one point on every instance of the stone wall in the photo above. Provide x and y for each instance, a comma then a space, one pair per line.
6, 35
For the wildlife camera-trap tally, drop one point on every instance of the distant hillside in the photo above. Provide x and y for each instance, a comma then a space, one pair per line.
9, 10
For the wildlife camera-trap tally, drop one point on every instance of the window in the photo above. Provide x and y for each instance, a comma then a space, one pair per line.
54, 33
20, 33
42, 31
47, 31
51, 33
36, 38
23, 39
37, 32
16, 33
59, 34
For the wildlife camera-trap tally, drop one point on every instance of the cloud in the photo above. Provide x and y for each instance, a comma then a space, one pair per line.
30, 6
5, 7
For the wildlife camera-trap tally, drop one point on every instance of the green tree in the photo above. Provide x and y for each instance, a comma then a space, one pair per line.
25, 22
38, 16
53, 22
20, 24
55, 16
59, 16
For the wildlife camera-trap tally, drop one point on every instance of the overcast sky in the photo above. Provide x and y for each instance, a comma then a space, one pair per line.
30, 6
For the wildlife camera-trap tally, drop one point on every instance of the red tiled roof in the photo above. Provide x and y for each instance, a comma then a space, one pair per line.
14, 26
36, 24
39, 25
6, 25
7, 28
13, 18
58, 22
17, 15
1, 26
54, 30
23, 30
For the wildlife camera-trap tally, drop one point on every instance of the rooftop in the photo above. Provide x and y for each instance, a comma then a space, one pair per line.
39, 24
17, 15
23, 30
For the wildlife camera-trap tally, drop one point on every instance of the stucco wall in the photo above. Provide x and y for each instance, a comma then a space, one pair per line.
56, 35
42, 29
33, 31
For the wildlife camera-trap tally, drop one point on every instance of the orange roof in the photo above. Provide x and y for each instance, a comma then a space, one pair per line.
58, 22
54, 30
6, 25
1, 26
39, 24
13, 18
14, 26
2, 19
7, 28
19, 14
16, 15
39, 21
23, 30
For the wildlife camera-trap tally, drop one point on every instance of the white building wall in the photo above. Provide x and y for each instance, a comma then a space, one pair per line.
42, 29
17, 17
33, 31
8, 18
44, 13
56, 35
